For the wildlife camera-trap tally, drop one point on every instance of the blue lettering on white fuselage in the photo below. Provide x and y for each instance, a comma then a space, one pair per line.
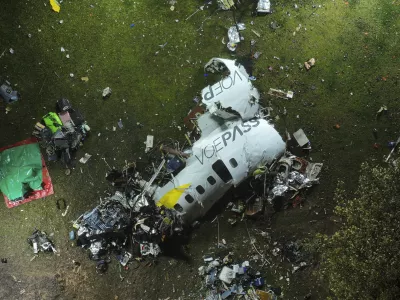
226, 138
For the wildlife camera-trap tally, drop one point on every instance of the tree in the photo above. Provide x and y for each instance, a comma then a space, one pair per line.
361, 260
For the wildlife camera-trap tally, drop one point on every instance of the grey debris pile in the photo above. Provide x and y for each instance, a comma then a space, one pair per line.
40, 242
8, 94
226, 278
104, 228
126, 224
293, 174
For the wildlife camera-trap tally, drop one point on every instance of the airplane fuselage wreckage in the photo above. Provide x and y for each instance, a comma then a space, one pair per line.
235, 141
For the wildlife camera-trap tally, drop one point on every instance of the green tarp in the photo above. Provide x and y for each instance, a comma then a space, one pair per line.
20, 170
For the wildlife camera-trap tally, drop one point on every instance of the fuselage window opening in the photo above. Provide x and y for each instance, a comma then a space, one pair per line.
233, 162
200, 189
189, 198
178, 207
211, 180
222, 171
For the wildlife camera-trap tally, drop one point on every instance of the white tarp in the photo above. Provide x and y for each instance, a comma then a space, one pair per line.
234, 95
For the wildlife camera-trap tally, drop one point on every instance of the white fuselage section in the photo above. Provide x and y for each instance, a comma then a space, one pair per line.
224, 158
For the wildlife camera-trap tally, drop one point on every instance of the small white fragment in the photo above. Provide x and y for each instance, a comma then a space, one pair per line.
106, 92
85, 158
149, 142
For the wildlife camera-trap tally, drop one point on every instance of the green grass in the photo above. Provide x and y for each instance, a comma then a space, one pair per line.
355, 46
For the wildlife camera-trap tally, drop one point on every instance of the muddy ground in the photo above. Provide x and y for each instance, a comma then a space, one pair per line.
114, 43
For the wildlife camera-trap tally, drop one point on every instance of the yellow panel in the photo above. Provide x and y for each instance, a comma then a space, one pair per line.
171, 197
55, 5
264, 295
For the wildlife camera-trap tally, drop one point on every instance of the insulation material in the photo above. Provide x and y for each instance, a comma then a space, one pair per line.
233, 96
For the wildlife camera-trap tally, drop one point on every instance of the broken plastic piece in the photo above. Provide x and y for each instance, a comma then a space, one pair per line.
150, 248
8, 94
309, 64
257, 54
85, 158
301, 137
280, 93
124, 258
227, 275
106, 92
120, 125
55, 5
264, 6
149, 143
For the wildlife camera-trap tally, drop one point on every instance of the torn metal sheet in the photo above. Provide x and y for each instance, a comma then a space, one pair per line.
138, 202
150, 248
278, 190
313, 170
233, 96
40, 242
149, 143
293, 174
301, 138
234, 36
220, 160
280, 93
264, 6
227, 275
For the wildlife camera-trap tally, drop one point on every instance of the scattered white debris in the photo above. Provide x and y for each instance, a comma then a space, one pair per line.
65, 212
301, 137
62, 49
149, 142
106, 92
11, 50
85, 158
